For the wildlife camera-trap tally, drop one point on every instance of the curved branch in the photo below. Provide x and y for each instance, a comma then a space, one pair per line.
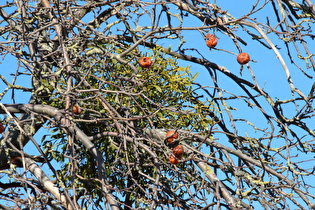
278, 55
45, 181
59, 116
157, 133
216, 181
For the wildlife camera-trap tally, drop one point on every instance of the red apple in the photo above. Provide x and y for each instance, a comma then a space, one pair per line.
243, 58
211, 40
145, 62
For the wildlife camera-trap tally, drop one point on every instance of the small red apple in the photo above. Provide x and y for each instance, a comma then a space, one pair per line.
145, 62
243, 58
171, 136
178, 151
76, 109
173, 159
211, 40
